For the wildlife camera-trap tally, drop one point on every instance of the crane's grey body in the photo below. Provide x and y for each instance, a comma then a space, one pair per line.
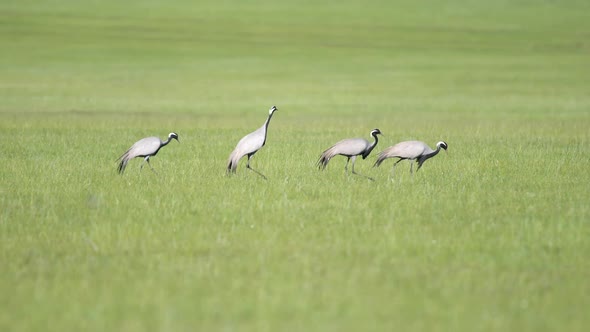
145, 148
410, 150
350, 148
249, 145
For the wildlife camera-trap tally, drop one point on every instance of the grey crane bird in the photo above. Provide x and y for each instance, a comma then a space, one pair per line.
411, 150
145, 148
350, 148
249, 145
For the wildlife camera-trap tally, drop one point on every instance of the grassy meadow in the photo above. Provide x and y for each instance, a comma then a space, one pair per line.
493, 235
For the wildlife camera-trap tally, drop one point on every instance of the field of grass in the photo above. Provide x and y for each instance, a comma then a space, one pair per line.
493, 235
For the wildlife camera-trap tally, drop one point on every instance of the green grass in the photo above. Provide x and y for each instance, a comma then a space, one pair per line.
491, 236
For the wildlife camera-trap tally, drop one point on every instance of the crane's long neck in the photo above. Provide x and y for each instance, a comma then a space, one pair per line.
373, 145
432, 154
268, 121
265, 126
166, 142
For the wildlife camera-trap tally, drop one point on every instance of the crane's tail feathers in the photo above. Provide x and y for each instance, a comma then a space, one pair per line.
325, 158
231, 167
232, 162
122, 165
323, 161
380, 159
124, 155
123, 160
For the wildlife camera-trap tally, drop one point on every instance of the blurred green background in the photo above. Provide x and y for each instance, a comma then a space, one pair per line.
491, 236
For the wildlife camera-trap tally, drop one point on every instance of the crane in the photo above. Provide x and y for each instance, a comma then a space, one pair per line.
350, 148
145, 148
410, 150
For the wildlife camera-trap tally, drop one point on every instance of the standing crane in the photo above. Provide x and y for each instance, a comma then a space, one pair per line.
411, 150
249, 145
350, 148
145, 148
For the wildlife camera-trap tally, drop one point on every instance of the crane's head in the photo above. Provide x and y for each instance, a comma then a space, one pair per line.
375, 132
443, 145
272, 109
173, 135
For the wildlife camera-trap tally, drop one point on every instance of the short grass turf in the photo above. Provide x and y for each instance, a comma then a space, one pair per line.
492, 235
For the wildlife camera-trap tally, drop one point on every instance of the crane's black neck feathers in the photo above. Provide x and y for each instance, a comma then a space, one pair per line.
425, 157
273, 109
374, 133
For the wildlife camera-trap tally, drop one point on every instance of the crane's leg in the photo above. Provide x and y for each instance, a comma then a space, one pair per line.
143, 162
355, 173
346, 166
150, 165
393, 169
252, 169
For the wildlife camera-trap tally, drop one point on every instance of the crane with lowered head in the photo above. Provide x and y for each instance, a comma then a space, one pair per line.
410, 150
144, 148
